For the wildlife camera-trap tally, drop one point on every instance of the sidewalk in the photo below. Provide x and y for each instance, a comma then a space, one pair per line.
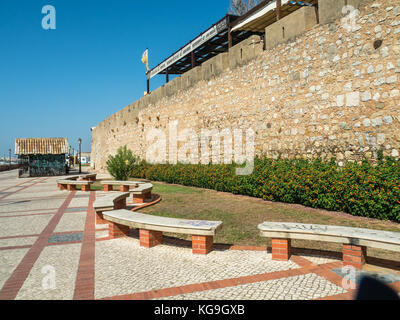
45, 232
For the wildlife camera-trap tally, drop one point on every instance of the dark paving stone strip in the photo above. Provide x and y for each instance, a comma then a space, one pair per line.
16, 247
20, 236
30, 210
21, 272
85, 281
81, 209
66, 237
26, 215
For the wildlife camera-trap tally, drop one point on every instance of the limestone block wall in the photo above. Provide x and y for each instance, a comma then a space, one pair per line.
330, 10
290, 26
327, 93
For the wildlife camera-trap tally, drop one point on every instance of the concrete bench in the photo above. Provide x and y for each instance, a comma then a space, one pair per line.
110, 202
355, 240
71, 178
152, 227
88, 177
70, 185
124, 185
142, 193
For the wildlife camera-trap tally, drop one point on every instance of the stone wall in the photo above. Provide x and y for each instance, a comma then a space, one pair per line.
327, 93
290, 26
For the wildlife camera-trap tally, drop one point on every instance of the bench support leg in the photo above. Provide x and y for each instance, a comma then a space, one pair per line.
147, 196
354, 256
117, 230
121, 204
99, 218
71, 187
150, 238
85, 187
281, 249
124, 188
139, 198
108, 187
202, 244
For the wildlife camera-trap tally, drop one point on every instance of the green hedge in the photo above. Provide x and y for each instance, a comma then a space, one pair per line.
359, 189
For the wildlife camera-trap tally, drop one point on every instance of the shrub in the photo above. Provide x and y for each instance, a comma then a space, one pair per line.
121, 165
359, 189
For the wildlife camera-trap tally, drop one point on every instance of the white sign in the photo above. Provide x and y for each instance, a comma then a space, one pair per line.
193, 45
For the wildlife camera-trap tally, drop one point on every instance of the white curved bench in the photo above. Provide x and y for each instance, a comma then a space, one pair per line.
89, 177
142, 193
110, 202
70, 185
355, 240
124, 185
152, 227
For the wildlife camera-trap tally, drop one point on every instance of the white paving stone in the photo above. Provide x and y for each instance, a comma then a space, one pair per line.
65, 271
123, 267
9, 260
302, 287
25, 225
71, 222
12, 242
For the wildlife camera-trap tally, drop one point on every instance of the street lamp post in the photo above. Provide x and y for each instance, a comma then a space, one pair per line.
80, 143
9, 150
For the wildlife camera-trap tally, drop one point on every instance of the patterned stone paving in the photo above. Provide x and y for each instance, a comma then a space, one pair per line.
302, 287
66, 237
122, 266
386, 277
43, 229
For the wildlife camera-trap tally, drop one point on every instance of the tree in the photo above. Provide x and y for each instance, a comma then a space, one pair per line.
121, 165
240, 7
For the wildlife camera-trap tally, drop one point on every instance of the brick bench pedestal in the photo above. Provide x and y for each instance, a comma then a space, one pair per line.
71, 187
118, 231
150, 238
85, 187
141, 198
99, 218
124, 188
108, 187
354, 256
281, 249
202, 244
62, 186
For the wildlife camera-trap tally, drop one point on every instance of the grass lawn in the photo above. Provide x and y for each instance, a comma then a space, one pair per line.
242, 214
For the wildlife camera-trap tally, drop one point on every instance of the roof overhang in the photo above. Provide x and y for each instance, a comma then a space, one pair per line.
263, 15
208, 44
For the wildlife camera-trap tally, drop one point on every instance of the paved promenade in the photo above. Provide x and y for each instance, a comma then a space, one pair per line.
51, 248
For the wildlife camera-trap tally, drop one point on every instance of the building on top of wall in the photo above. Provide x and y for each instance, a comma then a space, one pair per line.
41, 157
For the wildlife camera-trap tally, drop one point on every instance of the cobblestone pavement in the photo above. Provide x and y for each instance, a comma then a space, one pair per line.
51, 248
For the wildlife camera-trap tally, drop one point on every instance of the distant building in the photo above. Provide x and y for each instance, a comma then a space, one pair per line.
85, 157
42, 156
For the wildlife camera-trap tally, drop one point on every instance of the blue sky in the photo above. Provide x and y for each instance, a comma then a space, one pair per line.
62, 82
